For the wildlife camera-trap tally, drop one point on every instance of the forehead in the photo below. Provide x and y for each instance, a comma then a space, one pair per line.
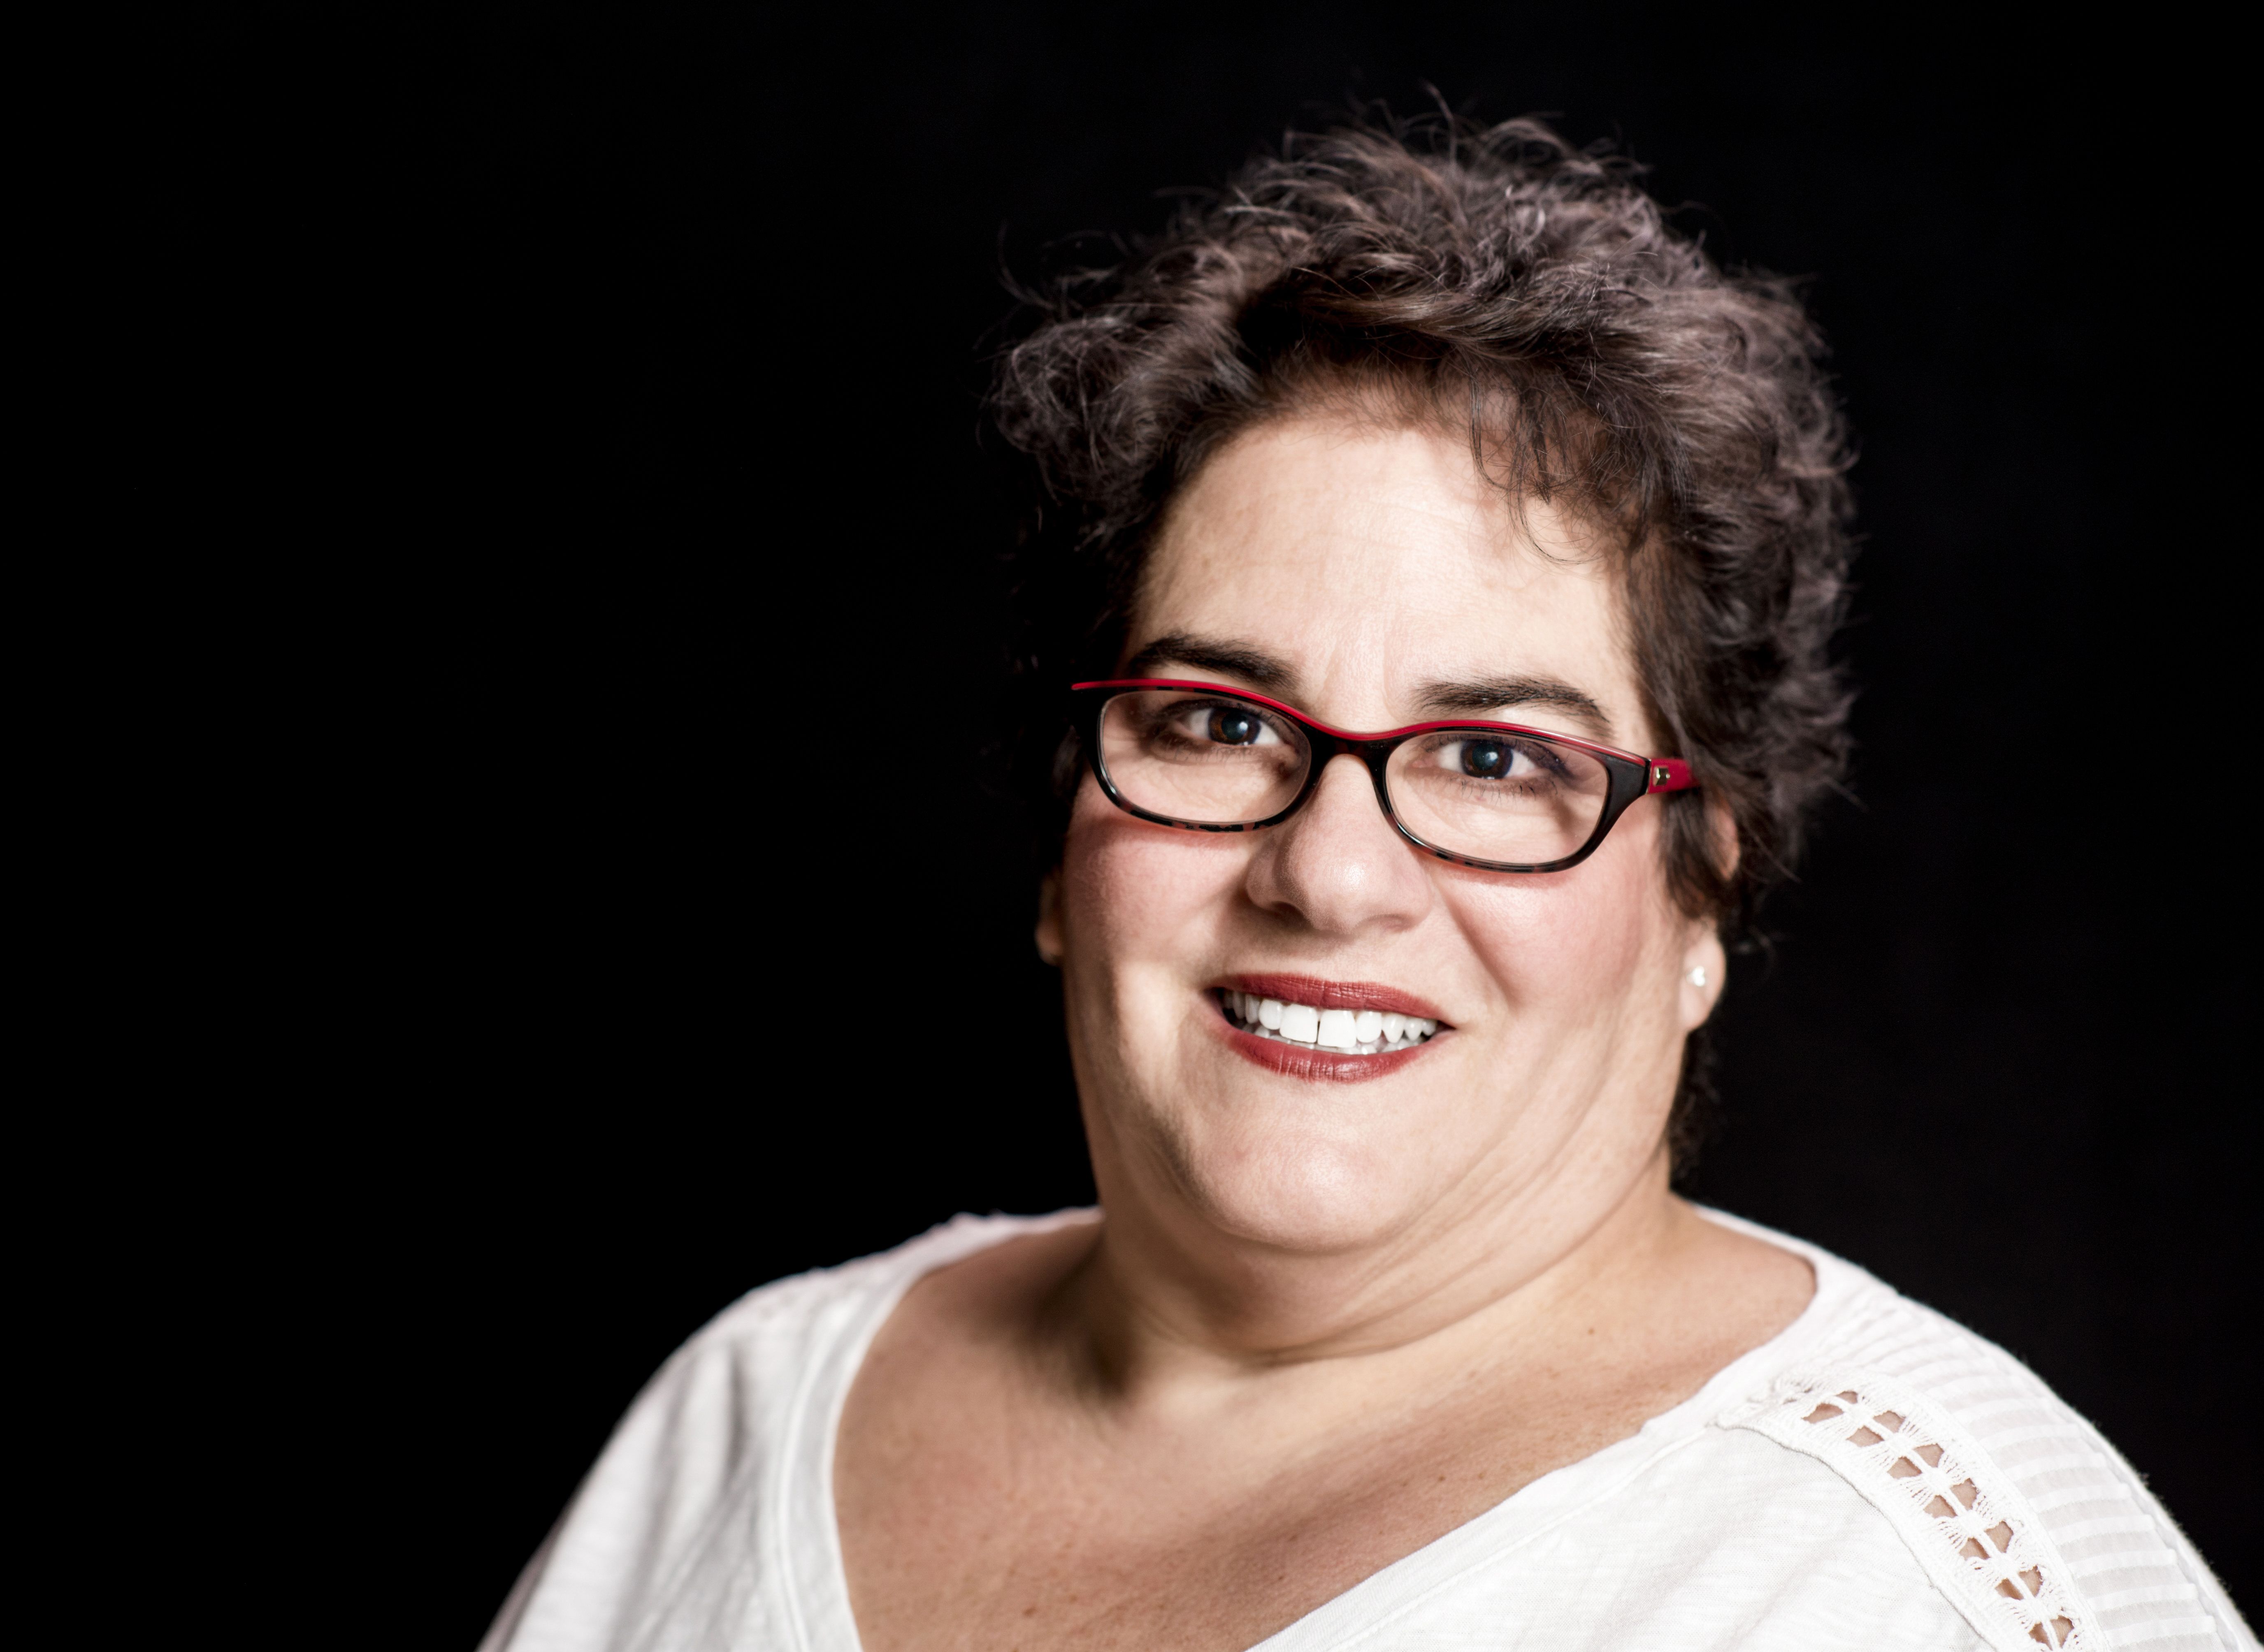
1372, 558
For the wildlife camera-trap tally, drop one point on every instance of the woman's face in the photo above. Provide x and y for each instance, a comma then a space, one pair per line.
1368, 576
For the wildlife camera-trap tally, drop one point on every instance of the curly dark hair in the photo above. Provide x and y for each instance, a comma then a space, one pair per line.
1498, 281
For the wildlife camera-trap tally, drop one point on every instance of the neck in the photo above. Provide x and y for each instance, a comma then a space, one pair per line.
1165, 1302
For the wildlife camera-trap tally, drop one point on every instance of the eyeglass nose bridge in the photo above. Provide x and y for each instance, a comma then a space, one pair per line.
1324, 748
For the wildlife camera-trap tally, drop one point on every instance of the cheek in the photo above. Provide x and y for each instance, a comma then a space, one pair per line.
1132, 891
1574, 948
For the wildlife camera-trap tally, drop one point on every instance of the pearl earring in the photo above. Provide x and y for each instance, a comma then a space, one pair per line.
1697, 976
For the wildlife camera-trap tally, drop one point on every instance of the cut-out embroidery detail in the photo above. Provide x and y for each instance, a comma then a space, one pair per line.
1995, 1550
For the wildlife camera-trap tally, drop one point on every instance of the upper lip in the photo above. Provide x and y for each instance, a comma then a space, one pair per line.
1332, 995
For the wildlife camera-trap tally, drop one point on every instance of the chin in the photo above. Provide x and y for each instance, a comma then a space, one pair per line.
1292, 1186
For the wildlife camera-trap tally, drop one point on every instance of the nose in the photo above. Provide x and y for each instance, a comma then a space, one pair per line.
1337, 865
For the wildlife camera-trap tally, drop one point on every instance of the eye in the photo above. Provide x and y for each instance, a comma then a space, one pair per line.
1487, 760
1227, 724
1482, 759
1233, 726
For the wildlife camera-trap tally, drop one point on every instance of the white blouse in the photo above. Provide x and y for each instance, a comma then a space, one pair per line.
1873, 1477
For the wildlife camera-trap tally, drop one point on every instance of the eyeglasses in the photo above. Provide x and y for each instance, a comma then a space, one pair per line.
1493, 795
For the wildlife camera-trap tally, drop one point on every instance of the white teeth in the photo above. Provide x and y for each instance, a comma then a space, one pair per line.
1364, 1032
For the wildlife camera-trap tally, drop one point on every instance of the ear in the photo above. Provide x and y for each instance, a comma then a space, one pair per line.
1049, 925
1705, 961
1705, 965
1722, 827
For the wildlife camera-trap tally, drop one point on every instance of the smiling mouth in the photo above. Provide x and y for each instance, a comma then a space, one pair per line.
1308, 1027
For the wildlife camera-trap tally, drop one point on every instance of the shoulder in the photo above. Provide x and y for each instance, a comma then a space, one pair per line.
738, 1385
749, 1366
712, 1458
2013, 1504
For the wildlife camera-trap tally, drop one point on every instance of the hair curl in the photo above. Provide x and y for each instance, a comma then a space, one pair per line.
1498, 279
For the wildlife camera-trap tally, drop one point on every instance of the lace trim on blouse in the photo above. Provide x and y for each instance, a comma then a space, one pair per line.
1973, 1530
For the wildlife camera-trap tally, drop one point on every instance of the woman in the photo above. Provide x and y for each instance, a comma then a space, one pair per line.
1430, 622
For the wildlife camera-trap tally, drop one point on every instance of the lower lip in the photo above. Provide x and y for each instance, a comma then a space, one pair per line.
1309, 1061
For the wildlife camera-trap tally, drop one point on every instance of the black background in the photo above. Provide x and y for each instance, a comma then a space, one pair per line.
707, 293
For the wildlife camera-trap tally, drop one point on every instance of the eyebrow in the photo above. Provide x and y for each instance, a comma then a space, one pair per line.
1471, 696
1443, 697
1222, 655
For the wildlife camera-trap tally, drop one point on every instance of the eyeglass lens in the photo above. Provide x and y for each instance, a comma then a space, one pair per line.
1207, 759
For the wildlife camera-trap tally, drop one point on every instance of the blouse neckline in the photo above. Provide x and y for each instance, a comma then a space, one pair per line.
810, 1533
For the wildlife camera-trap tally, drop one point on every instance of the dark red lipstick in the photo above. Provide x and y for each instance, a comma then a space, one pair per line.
1334, 995
1313, 1062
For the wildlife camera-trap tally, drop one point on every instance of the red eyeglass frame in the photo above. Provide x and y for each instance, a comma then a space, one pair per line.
1631, 775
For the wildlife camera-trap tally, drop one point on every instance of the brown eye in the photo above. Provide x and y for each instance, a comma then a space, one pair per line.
1486, 759
1232, 726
